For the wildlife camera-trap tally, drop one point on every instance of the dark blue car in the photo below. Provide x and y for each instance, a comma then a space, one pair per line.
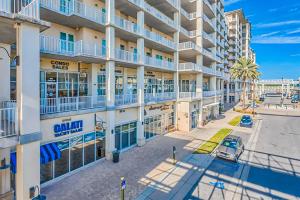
246, 121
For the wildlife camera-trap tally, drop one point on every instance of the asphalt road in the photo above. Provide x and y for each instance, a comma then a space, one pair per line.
268, 169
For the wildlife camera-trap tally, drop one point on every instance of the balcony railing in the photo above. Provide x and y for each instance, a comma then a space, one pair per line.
74, 7
209, 37
67, 104
158, 38
208, 70
189, 16
189, 45
126, 56
184, 95
158, 63
83, 48
209, 93
211, 7
8, 119
189, 67
208, 53
209, 21
126, 99
127, 25
157, 97
159, 15
29, 8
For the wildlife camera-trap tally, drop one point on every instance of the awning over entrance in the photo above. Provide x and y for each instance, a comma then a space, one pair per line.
49, 152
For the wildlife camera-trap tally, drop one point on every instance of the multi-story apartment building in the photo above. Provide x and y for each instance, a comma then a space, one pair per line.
90, 77
239, 36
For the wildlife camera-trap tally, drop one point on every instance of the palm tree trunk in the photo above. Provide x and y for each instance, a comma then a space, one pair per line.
244, 93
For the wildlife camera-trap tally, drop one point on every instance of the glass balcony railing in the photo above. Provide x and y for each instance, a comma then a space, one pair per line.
127, 25
159, 39
158, 63
126, 56
158, 97
126, 99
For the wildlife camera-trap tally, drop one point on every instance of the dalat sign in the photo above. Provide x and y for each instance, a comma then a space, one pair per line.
67, 128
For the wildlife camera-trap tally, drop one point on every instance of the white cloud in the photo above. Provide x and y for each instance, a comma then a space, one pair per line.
269, 34
276, 40
229, 2
276, 24
294, 31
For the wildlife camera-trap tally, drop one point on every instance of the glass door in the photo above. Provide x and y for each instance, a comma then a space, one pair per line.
50, 90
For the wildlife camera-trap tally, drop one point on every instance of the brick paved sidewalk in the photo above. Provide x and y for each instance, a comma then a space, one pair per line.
141, 166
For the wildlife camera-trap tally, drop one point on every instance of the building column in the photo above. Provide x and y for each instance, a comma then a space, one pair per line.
141, 106
5, 72
28, 101
92, 80
228, 92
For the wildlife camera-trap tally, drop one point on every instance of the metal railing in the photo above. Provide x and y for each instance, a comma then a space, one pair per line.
157, 97
53, 45
159, 15
209, 21
158, 38
208, 53
89, 49
211, 7
74, 7
209, 37
67, 104
126, 56
184, 95
209, 93
8, 119
189, 67
127, 25
208, 70
189, 45
28, 8
125, 99
158, 63
189, 16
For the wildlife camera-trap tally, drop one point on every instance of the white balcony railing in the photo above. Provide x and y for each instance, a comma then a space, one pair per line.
158, 38
53, 45
208, 70
190, 95
189, 16
209, 37
189, 67
74, 7
88, 49
211, 7
158, 63
157, 97
208, 53
127, 25
189, 45
67, 104
126, 99
126, 56
28, 8
8, 119
209, 21
159, 15
209, 93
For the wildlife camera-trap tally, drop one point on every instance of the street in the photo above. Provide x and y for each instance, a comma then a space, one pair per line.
268, 169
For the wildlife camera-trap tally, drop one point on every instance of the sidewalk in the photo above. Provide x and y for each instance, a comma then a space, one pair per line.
142, 168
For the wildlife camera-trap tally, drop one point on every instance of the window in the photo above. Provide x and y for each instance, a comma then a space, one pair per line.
100, 145
76, 160
101, 84
83, 84
89, 148
168, 85
46, 172
131, 85
119, 84
122, 47
62, 165
125, 135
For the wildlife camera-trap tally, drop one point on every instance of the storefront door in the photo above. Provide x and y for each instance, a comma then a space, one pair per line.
195, 117
50, 90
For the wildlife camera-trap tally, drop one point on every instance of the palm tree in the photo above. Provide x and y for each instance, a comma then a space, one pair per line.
244, 69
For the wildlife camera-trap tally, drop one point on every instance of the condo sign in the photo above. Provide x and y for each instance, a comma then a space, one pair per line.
67, 128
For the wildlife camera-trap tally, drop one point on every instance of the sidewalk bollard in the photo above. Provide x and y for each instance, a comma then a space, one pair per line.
123, 187
174, 155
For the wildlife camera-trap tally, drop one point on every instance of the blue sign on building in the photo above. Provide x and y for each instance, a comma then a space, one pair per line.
67, 128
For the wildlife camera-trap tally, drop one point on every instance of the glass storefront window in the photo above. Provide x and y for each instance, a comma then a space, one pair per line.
62, 164
46, 172
89, 148
132, 85
76, 153
100, 148
125, 136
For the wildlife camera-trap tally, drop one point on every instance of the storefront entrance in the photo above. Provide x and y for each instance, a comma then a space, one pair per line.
125, 136
195, 119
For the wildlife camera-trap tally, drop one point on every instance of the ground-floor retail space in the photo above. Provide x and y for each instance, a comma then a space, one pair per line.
189, 115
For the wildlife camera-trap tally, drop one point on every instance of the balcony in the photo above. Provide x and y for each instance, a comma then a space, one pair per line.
190, 95
68, 104
127, 25
127, 99
209, 21
159, 97
219, 73
211, 7
188, 45
189, 16
78, 49
126, 56
158, 63
73, 13
209, 37
157, 38
8, 119
211, 93
208, 70
189, 67
159, 16
29, 9
208, 53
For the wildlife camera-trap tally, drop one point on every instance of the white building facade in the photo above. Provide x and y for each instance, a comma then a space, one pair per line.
82, 79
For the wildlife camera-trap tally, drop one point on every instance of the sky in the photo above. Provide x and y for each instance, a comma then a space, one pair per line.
275, 35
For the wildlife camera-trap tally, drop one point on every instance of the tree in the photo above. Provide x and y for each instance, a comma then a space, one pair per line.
244, 69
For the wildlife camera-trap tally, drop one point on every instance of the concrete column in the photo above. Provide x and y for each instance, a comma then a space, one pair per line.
110, 10
110, 42
110, 114
125, 81
28, 101
141, 107
5, 72
92, 80
141, 20
227, 92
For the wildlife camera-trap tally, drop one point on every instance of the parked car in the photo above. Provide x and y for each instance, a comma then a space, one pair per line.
261, 99
231, 148
246, 121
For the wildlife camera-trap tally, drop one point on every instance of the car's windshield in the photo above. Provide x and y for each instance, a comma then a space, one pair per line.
246, 118
230, 143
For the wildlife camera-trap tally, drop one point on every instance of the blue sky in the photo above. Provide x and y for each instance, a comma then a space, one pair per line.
275, 35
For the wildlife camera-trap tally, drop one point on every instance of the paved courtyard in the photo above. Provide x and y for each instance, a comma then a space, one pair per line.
141, 166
